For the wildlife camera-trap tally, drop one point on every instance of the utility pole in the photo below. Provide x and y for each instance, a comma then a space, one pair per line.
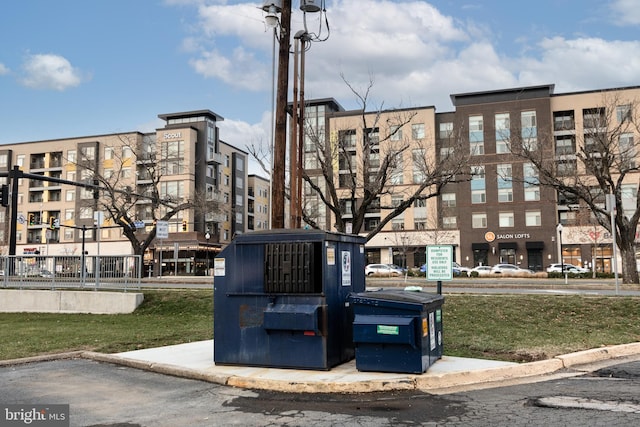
280, 133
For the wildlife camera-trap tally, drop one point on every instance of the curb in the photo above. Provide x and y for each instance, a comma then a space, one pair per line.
424, 383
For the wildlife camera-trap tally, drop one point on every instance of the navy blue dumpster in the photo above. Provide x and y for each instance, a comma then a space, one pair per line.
397, 331
281, 299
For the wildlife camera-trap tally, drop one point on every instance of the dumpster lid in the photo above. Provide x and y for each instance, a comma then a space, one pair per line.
400, 296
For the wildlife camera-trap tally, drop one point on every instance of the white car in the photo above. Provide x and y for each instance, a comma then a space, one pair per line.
383, 270
509, 269
482, 270
569, 268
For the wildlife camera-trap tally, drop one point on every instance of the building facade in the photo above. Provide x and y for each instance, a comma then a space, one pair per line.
184, 162
496, 211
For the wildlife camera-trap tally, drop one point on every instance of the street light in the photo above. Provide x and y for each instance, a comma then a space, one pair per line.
207, 236
559, 230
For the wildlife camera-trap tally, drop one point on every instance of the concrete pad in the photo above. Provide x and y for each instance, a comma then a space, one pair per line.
345, 378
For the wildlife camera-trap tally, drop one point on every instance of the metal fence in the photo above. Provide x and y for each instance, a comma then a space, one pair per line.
55, 272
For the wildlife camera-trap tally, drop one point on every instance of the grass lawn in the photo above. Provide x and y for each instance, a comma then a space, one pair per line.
502, 327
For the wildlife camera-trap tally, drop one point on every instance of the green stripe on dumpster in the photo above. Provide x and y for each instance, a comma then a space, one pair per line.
388, 330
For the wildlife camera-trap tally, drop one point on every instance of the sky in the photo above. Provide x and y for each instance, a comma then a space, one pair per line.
73, 68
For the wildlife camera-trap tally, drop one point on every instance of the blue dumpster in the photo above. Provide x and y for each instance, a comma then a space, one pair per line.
396, 330
281, 299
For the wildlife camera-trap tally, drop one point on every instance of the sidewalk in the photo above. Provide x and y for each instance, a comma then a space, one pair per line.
195, 360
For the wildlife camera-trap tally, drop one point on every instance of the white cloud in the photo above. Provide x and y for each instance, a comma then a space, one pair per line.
626, 12
584, 63
241, 134
49, 71
3, 69
415, 54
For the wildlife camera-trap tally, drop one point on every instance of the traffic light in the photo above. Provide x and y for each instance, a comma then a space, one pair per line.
184, 225
96, 193
4, 195
32, 219
54, 223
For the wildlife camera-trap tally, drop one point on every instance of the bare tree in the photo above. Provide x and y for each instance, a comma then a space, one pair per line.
589, 165
368, 168
118, 196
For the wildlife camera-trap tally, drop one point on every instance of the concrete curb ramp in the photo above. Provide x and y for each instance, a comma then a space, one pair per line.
446, 374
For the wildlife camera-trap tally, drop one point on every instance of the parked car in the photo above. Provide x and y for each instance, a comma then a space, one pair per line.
383, 270
509, 269
460, 269
482, 270
568, 268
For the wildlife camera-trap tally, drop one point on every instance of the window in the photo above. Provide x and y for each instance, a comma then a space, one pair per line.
478, 196
396, 200
503, 134
563, 120
505, 195
371, 136
108, 153
627, 151
347, 139
4, 159
397, 224
172, 189
479, 220
533, 219
623, 113
449, 200
446, 152
69, 214
446, 130
566, 167
417, 131
88, 153
86, 213
70, 195
418, 156
126, 152
450, 222
108, 173
397, 170
71, 156
478, 189
476, 135
505, 219
395, 133
172, 157
529, 131
125, 173
565, 144
531, 182
593, 118
20, 160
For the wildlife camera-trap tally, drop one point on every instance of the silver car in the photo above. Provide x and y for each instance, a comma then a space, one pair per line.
383, 270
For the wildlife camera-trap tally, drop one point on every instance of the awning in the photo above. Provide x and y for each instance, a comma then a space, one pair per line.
480, 246
534, 245
508, 245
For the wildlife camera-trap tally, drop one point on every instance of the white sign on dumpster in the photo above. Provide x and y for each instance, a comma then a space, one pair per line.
439, 262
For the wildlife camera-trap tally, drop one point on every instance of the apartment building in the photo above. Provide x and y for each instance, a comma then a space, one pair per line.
497, 212
183, 161
259, 191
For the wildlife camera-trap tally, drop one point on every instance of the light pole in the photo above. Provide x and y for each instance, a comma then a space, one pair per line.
207, 236
559, 229
283, 7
